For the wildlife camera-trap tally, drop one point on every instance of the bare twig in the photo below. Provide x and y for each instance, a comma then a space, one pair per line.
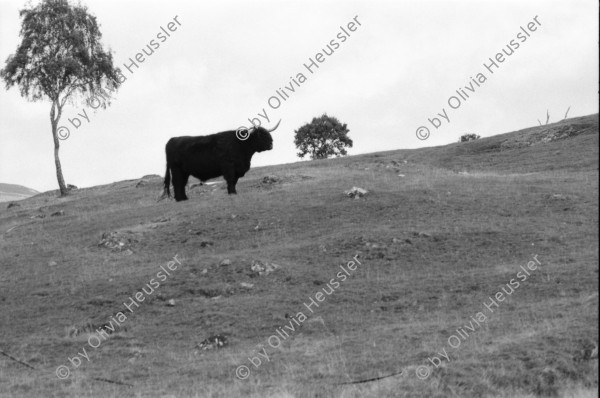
112, 381
93, 378
539, 122
547, 116
17, 360
372, 379
567, 112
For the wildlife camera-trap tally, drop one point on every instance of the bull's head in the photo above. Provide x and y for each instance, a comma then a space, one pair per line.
258, 137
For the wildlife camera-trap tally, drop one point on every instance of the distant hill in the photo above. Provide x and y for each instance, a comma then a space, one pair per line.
10, 192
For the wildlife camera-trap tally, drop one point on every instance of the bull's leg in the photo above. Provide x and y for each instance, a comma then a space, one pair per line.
231, 186
184, 181
180, 179
229, 175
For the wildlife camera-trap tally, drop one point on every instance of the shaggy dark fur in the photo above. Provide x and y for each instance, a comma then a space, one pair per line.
211, 156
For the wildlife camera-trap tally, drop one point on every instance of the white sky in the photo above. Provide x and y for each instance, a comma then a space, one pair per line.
228, 57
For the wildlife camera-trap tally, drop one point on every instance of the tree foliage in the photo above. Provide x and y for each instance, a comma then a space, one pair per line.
60, 58
323, 137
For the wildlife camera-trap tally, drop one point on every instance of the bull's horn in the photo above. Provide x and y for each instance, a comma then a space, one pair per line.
273, 129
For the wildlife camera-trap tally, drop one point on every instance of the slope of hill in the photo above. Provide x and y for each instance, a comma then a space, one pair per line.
10, 192
468, 270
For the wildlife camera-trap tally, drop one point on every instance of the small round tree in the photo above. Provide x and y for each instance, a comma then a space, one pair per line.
59, 58
325, 136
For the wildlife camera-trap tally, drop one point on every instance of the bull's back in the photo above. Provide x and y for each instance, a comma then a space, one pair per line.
198, 156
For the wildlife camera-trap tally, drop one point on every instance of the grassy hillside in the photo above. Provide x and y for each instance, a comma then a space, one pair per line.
441, 231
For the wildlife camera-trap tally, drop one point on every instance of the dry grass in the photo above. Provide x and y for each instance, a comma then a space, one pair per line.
434, 245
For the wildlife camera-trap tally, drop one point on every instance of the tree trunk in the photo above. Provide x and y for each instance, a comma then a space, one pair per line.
59, 176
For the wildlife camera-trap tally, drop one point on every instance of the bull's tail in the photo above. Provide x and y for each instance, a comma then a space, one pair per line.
167, 189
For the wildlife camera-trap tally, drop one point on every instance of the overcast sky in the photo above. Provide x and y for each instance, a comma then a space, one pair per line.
227, 58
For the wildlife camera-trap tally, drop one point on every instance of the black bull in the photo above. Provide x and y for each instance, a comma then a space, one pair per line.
226, 154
